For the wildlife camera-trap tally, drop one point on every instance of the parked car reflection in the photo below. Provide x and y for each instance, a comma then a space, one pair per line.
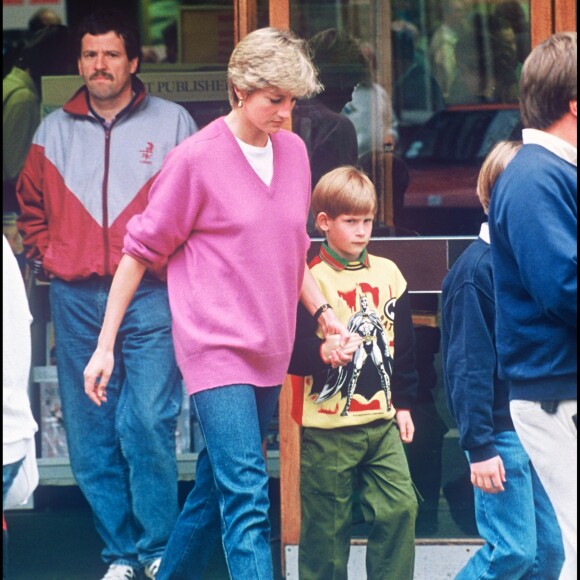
444, 158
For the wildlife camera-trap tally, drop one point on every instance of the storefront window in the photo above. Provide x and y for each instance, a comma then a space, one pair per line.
436, 74
190, 32
417, 93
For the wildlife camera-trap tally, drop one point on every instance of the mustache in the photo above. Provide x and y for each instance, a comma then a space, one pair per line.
101, 75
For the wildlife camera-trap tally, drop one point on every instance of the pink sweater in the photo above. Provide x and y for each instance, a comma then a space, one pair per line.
235, 251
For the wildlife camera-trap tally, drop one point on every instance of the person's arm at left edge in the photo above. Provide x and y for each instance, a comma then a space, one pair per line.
19, 126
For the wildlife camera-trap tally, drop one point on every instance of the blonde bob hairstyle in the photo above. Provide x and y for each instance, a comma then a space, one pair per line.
270, 57
495, 162
344, 191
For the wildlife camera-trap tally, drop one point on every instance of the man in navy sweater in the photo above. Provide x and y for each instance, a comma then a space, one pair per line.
513, 513
533, 221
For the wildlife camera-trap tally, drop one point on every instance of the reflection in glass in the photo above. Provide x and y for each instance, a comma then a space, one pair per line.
440, 89
424, 59
330, 137
370, 109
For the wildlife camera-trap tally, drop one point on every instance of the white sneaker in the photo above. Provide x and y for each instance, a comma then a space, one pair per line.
120, 572
152, 569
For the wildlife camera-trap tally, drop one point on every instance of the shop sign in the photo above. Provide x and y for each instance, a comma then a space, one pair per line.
180, 87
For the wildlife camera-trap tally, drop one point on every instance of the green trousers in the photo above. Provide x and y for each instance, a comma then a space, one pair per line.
338, 464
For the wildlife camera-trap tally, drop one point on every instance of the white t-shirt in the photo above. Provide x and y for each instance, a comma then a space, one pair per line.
260, 158
18, 424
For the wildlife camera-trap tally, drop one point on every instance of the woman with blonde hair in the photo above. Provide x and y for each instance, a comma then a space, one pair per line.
227, 217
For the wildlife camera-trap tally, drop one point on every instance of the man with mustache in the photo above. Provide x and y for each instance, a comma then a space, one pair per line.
88, 172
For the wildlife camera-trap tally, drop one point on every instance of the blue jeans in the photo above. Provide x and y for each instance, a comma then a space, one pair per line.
122, 453
230, 496
519, 526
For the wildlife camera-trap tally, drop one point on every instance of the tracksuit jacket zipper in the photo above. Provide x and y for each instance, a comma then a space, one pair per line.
104, 193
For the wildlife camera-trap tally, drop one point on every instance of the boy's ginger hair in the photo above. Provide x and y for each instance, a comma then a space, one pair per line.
344, 191
495, 162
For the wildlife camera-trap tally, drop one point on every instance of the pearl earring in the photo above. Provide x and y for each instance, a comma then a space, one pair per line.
240, 103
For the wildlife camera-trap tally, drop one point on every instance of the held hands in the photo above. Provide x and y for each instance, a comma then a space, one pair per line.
406, 426
488, 475
336, 352
97, 374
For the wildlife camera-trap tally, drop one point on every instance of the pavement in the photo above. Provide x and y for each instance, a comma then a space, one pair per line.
56, 540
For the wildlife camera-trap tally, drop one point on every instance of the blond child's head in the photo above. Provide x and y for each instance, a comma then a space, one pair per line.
495, 162
343, 191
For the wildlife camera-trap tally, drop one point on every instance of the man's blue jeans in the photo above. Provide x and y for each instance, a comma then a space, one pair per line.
122, 453
230, 496
519, 526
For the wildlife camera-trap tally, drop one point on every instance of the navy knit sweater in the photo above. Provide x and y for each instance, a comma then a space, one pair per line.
533, 223
477, 398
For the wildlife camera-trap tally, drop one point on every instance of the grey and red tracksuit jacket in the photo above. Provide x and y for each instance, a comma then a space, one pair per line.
83, 180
